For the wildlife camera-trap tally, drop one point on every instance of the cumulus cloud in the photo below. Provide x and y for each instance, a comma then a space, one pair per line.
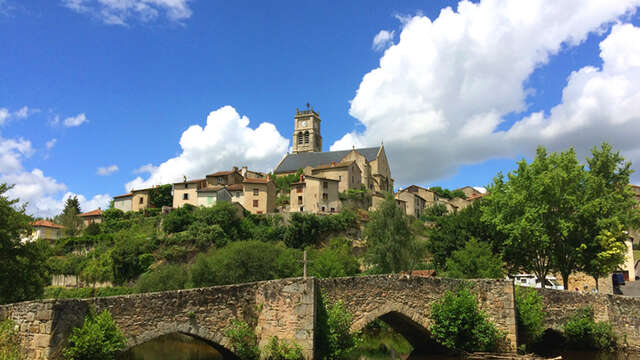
120, 12
383, 40
22, 113
439, 94
12, 151
107, 170
73, 121
226, 140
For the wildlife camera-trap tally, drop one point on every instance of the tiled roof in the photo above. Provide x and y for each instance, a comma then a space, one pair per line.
96, 212
46, 223
222, 173
293, 162
234, 187
476, 196
121, 196
195, 181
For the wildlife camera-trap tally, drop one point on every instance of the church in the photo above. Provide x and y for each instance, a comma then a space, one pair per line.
353, 168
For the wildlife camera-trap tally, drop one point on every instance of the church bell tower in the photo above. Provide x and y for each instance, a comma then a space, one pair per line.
306, 131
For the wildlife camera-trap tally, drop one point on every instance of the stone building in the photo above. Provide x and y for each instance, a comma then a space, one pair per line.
314, 194
347, 173
414, 203
91, 217
186, 192
44, 229
123, 202
307, 152
211, 195
259, 195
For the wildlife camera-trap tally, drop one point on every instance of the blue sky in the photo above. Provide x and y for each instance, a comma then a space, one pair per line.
140, 78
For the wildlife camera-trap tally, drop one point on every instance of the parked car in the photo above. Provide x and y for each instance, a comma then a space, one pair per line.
532, 281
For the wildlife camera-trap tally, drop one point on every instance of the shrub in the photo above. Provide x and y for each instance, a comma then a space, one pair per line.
163, 278
529, 315
459, 325
98, 339
178, 220
474, 261
93, 229
335, 339
282, 350
243, 339
334, 261
204, 236
9, 342
582, 332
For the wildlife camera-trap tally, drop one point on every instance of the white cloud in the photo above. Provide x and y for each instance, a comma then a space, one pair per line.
22, 113
51, 143
73, 121
225, 141
4, 115
120, 12
12, 151
107, 170
383, 40
145, 169
440, 93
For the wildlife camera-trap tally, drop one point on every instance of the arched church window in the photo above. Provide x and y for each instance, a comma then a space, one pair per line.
299, 138
306, 137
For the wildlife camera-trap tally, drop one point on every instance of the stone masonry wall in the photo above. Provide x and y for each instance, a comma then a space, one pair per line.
282, 308
622, 312
370, 297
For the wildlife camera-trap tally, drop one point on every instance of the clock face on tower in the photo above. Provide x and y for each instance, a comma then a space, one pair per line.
304, 123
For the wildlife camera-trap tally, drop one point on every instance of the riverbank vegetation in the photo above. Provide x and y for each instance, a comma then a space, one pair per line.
9, 342
99, 338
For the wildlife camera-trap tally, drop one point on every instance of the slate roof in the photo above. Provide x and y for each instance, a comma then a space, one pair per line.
293, 162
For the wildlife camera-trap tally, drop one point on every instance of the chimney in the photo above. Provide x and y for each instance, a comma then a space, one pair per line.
301, 177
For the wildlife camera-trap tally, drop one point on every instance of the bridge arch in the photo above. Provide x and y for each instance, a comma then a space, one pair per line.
405, 321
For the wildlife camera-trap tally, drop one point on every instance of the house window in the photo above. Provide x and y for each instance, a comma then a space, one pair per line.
325, 196
333, 209
141, 200
299, 199
340, 178
256, 191
301, 208
323, 209
299, 188
185, 196
220, 180
255, 203
325, 184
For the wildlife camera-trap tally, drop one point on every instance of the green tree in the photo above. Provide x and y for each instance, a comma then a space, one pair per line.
474, 261
391, 247
99, 338
69, 217
178, 220
335, 260
529, 315
435, 210
23, 266
459, 325
99, 268
161, 196
608, 209
536, 208
163, 278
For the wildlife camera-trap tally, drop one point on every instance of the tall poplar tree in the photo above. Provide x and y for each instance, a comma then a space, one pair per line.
69, 217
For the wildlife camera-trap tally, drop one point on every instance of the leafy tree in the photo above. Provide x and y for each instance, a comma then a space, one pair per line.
334, 261
536, 209
93, 229
335, 340
283, 182
454, 231
391, 245
178, 220
161, 196
474, 261
204, 235
448, 194
99, 338
98, 269
435, 210
227, 217
23, 266
304, 229
69, 217
459, 325
529, 315
608, 209
130, 258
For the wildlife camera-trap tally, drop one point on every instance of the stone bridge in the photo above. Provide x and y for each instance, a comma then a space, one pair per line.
287, 309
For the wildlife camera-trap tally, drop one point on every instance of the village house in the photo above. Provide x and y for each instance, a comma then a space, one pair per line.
315, 195
45, 229
91, 217
347, 173
415, 203
470, 191
225, 178
186, 192
372, 162
211, 195
123, 202
259, 195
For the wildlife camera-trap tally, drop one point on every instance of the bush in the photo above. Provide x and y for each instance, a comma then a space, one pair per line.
282, 350
474, 261
335, 339
582, 332
334, 261
92, 229
529, 315
163, 278
459, 325
9, 342
204, 236
245, 261
178, 220
243, 339
98, 339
